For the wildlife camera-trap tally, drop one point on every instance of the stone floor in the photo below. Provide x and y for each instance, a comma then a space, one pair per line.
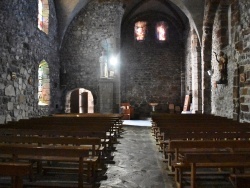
137, 162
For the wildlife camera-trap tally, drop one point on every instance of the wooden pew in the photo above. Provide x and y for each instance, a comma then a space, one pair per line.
205, 132
115, 118
89, 145
200, 127
64, 128
211, 136
188, 125
160, 120
17, 171
180, 149
240, 180
71, 123
52, 131
57, 127
52, 153
214, 160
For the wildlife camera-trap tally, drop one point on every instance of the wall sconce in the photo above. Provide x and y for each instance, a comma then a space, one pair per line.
210, 72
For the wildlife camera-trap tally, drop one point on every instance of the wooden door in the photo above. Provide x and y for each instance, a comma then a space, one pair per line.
74, 102
84, 104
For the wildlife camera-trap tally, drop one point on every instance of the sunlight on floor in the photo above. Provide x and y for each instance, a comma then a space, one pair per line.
145, 123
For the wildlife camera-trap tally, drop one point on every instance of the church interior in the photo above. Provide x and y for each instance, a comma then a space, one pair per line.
107, 61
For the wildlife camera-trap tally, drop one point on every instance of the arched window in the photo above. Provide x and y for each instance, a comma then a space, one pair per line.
140, 30
43, 84
43, 15
161, 31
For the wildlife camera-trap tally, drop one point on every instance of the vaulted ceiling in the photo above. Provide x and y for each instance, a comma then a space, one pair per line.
178, 9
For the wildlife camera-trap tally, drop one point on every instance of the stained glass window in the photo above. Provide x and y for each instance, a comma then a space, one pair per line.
43, 15
140, 30
161, 31
43, 84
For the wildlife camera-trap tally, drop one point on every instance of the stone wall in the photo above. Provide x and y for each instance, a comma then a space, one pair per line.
241, 58
22, 47
222, 94
151, 70
87, 36
231, 34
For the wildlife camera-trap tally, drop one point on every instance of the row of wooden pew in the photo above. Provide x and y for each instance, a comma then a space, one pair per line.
85, 140
191, 142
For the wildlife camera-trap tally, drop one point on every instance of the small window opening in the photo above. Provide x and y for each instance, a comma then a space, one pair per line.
43, 15
140, 30
161, 31
43, 84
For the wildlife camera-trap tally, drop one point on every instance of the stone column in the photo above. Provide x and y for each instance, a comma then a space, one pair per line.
106, 95
206, 65
196, 80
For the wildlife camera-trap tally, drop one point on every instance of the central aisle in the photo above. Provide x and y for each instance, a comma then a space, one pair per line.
138, 163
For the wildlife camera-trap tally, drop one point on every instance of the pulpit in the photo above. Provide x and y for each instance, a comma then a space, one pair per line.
127, 110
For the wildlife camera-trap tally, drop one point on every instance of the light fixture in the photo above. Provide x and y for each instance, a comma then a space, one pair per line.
210, 72
113, 60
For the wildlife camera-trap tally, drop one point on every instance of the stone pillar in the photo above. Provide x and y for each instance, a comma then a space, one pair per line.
206, 65
106, 95
236, 94
200, 80
196, 80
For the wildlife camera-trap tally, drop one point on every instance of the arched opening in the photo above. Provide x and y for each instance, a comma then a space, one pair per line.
43, 84
161, 31
79, 100
140, 30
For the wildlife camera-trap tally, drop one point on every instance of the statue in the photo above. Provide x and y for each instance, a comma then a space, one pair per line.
103, 60
222, 60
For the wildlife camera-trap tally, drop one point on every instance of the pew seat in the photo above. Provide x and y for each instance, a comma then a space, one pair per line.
17, 171
240, 180
195, 161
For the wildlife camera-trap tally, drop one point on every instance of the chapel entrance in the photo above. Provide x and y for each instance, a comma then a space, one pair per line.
79, 100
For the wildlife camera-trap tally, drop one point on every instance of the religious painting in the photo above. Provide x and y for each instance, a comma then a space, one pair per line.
140, 30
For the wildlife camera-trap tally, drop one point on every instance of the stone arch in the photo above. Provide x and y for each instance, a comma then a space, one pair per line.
81, 90
210, 11
43, 84
214, 10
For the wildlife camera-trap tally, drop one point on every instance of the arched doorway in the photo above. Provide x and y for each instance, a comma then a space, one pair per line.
79, 100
